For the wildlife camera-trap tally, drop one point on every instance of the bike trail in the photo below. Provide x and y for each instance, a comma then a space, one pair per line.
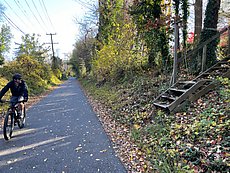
62, 135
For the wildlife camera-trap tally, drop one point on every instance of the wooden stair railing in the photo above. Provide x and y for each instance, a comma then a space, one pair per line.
192, 90
221, 69
190, 53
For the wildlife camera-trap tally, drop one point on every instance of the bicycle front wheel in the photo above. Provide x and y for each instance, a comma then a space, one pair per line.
8, 125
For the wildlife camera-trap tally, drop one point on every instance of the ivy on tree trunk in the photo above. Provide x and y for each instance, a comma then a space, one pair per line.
210, 29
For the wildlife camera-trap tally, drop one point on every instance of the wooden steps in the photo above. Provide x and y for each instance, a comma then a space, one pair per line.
181, 91
177, 94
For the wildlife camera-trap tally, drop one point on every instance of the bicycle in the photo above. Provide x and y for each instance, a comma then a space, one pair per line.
12, 118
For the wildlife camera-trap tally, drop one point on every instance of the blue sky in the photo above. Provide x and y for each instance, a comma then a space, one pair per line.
47, 16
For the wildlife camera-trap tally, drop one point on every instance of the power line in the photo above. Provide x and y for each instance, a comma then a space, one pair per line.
85, 4
52, 43
23, 11
12, 23
34, 15
38, 13
44, 7
14, 12
26, 14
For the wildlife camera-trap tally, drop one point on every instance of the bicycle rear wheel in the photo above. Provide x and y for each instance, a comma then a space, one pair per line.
22, 120
8, 125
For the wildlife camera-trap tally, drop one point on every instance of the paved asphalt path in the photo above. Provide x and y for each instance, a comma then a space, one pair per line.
62, 135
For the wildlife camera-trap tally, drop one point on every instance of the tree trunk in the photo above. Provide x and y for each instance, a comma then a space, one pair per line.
198, 19
210, 29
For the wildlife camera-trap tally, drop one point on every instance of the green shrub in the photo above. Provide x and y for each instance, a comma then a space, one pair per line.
37, 75
119, 57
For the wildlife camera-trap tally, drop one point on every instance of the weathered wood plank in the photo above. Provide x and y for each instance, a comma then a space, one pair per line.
186, 94
203, 91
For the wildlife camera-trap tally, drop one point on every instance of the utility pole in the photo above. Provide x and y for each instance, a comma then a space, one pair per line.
52, 43
54, 59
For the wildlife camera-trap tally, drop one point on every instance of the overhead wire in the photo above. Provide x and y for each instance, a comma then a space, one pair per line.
20, 9
12, 23
23, 11
86, 5
18, 16
46, 12
34, 15
39, 14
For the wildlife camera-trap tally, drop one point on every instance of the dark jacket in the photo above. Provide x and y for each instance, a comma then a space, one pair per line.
20, 90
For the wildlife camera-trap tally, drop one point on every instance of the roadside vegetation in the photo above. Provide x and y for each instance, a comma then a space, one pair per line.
31, 62
193, 140
123, 63
129, 63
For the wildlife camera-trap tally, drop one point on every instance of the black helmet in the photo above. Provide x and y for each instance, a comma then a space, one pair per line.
17, 76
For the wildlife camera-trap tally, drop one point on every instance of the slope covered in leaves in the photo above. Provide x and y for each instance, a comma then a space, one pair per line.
148, 140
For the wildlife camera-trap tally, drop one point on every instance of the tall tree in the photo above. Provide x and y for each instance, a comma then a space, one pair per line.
198, 8
5, 40
210, 29
176, 4
110, 18
82, 55
5, 36
150, 22
30, 46
185, 13
181, 6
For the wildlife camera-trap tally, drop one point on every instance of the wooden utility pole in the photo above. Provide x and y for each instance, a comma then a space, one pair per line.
52, 43
54, 59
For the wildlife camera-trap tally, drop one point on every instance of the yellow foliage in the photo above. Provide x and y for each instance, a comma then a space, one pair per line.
3, 82
54, 80
119, 56
37, 75
136, 126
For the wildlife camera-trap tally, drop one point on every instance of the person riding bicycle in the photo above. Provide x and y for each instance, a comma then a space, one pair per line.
19, 91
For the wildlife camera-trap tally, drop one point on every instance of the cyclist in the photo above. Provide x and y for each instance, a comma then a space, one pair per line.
19, 91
